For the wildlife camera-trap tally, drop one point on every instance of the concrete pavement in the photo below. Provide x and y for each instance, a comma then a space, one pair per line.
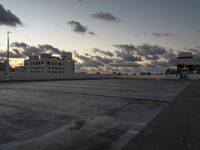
80, 115
177, 127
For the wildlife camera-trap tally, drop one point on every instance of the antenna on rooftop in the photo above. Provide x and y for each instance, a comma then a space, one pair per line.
8, 54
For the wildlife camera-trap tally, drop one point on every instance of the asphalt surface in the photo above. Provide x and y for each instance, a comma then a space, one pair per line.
80, 115
177, 127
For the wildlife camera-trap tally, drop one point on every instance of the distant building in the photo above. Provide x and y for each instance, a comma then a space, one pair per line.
18, 69
47, 63
186, 64
3, 66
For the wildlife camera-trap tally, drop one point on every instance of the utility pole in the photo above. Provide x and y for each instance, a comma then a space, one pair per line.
8, 54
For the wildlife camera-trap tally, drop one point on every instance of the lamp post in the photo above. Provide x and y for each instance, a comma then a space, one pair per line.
8, 55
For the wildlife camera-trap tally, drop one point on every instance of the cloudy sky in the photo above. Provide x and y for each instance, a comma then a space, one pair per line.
104, 35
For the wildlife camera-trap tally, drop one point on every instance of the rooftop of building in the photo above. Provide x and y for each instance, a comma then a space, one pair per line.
185, 55
185, 58
50, 56
93, 113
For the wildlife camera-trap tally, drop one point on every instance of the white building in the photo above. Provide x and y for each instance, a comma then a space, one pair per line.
47, 63
186, 59
186, 64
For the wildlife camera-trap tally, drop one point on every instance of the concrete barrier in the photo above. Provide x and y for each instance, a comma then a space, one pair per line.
143, 77
17, 76
172, 76
193, 76
168, 77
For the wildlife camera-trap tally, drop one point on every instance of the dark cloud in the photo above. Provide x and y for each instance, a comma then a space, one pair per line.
97, 61
126, 58
169, 55
101, 52
156, 56
156, 34
125, 64
126, 47
13, 54
21, 50
147, 49
103, 60
164, 64
50, 48
91, 33
32, 50
151, 52
8, 18
3, 54
19, 45
79, 28
87, 61
105, 17
27, 50
127, 52
17, 54
156, 66
195, 51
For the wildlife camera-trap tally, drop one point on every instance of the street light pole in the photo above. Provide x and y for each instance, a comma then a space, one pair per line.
8, 54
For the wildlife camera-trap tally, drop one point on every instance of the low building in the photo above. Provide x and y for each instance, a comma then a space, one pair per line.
46, 63
186, 64
3, 66
18, 69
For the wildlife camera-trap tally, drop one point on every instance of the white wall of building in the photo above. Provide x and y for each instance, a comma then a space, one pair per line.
46, 63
